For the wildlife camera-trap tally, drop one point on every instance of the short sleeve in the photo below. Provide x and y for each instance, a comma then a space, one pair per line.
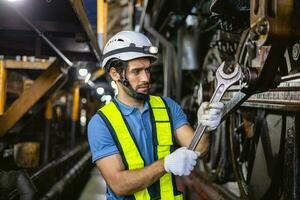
178, 116
100, 140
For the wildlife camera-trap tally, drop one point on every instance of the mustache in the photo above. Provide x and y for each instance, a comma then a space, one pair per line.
148, 85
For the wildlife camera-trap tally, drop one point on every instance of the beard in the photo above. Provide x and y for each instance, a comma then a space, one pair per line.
136, 95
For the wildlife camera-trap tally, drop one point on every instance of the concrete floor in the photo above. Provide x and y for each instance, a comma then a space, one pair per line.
95, 188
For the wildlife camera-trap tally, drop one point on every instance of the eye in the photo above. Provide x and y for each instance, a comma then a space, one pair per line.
136, 71
148, 70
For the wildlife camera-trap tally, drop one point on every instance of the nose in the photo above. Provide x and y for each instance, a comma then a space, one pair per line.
145, 76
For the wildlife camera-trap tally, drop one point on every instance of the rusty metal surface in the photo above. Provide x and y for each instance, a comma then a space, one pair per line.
280, 15
27, 154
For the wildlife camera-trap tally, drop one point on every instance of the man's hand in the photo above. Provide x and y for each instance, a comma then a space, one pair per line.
210, 114
181, 162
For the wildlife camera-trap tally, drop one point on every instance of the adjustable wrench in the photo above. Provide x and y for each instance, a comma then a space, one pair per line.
224, 81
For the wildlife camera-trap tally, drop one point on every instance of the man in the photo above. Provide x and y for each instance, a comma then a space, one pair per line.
132, 138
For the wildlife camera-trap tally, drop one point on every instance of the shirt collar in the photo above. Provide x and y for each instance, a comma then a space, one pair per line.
127, 110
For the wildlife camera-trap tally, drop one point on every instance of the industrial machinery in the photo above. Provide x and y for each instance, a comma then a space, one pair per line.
254, 153
248, 50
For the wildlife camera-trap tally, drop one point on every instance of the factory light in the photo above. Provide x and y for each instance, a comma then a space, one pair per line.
100, 90
83, 117
13, 0
83, 72
83, 100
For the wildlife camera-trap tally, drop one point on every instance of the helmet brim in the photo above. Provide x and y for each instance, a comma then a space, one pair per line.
126, 56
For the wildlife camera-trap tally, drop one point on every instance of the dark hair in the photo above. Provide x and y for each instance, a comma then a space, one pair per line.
118, 64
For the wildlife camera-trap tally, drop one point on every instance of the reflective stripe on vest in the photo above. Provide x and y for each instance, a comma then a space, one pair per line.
163, 132
127, 146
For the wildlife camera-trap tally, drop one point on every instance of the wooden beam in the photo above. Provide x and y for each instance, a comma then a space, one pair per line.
97, 74
3, 76
13, 64
50, 80
76, 97
100, 23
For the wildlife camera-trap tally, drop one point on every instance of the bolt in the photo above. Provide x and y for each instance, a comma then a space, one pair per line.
262, 29
296, 51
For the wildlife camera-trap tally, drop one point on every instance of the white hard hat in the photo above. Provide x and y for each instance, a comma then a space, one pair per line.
128, 45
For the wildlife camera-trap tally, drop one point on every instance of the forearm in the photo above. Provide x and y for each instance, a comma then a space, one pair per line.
131, 181
185, 134
203, 146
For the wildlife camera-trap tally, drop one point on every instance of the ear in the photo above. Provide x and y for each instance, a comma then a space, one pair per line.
114, 74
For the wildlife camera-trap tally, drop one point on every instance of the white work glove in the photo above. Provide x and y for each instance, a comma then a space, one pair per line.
181, 162
210, 114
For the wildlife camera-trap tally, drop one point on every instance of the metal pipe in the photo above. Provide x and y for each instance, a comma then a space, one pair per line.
19, 180
168, 60
145, 5
59, 186
131, 14
3, 76
80, 148
290, 77
166, 21
48, 117
56, 163
25, 187
59, 53
178, 65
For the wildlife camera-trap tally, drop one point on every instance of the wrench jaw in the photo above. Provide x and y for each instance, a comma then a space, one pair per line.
224, 81
226, 76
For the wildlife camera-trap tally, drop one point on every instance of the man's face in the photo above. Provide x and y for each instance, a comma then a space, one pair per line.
138, 75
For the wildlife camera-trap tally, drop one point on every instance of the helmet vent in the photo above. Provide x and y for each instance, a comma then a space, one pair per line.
121, 40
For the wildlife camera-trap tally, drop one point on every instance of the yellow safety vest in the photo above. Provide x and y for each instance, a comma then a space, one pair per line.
165, 188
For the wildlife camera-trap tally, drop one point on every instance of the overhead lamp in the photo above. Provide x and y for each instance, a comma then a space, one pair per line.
83, 100
83, 72
100, 90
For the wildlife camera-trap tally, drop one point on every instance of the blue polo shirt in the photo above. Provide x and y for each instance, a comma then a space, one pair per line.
102, 144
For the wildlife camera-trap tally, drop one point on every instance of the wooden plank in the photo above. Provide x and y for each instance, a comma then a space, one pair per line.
97, 74
51, 79
76, 97
13, 64
3, 77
